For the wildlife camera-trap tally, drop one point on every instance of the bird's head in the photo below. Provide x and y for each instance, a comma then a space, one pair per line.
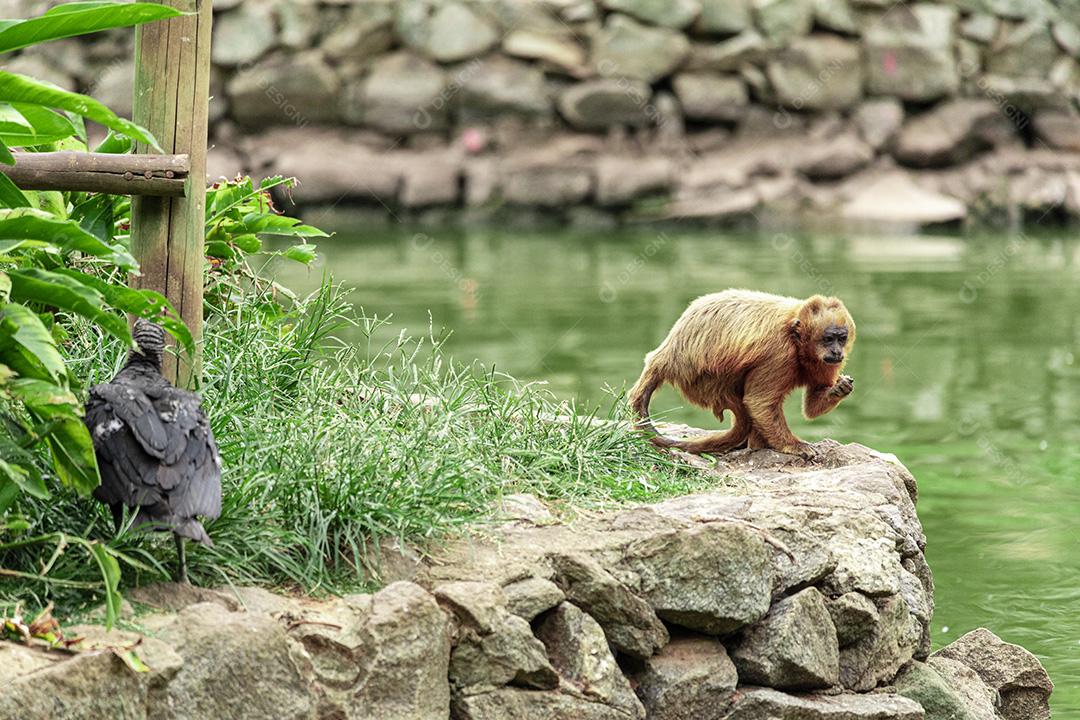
150, 339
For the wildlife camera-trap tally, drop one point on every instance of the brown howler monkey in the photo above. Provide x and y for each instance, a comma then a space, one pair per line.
745, 351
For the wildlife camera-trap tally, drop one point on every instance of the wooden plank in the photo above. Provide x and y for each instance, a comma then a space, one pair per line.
161, 175
172, 93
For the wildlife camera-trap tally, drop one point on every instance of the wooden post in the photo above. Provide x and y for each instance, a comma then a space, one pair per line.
172, 95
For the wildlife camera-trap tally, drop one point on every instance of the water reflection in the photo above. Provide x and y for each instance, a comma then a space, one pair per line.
966, 367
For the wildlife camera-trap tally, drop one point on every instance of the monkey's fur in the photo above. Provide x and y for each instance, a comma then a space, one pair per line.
745, 351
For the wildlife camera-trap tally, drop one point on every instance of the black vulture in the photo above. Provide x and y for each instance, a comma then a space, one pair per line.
154, 447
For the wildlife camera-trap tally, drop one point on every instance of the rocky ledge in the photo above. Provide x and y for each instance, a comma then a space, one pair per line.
791, 591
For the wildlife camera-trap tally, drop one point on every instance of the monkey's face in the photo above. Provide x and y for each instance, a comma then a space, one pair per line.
832, 347
828, 331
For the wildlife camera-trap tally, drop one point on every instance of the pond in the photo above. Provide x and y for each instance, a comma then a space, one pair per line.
966, 368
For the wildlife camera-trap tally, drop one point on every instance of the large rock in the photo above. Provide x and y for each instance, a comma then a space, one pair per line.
724, 17
529, 597
1059, 130
714, 578
545, 185
444, 31
950, 133
668, 13
878, 121
516, 704
923, 684
243, 35
784, 20
1025, 50
579, 651
875, 658
499, 87
599, 104
730, 55
766, 704
564, 53
367, 30
836, 157
854, 616
625, 48
894, 198
296, 90
402, 94
690, 679
1016, 674
508, 655
629, 622
621, 180
793, 647
819, 72
710, 97
909, 52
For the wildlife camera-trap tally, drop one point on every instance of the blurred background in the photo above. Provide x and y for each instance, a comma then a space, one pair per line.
549, 182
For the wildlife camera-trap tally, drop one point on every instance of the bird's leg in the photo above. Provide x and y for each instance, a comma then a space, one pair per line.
181, 559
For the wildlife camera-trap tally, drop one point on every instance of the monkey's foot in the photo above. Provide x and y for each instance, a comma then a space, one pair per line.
805, 450
843, 387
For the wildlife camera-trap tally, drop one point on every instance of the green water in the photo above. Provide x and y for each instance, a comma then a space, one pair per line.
967, 367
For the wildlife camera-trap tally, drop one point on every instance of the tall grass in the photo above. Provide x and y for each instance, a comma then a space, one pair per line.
329, 449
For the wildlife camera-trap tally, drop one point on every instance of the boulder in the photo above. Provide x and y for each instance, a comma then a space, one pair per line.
979, 699
564, 53
402, 94
723, 17
950, 133
624, 48
819, 72
500, 87
836, 15
114, 85
296, 90
854, 616
529, 597
1059, 130
1024, 50
543, 185
298, 23
878, 121
835, 157
621, 180
474, 604
428, 179
242, 35
1067, 36
666, 13
710, 97
894, 198
941, 701
508, 655
729, 55
628, 621
877, 657
599, 104
516, 704
444, 31
1013, 672
784, 20
689, 679
681, 574
909, 52
768, 704
579, 651
979, 27
366, 31
793, 647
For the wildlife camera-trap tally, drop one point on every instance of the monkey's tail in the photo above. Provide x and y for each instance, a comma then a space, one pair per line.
639, 398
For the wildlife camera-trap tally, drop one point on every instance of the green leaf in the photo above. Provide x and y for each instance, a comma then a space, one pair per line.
5, 155
79, 18
53, 289
248, 242
73, 454
115, 143
19, 326
95, 216
22, 89
301, 253
39, 125
10, 195
66, 235
26, 479
40, 394
5, 295
110, 574
272, 224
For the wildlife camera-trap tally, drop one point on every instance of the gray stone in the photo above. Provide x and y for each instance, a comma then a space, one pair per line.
509, 654
878, 656
1026, 50
950, 133
296, 90
429, 180
114, 85
820, 72
714, 578
1016, 674
367, 30
767, 704
599, 104
529, 597
402, 94
729, 55
978, 698
836, 157
579, 651
553, 186
895, 199
561, 52
43, 68
980, 27
691, 678
298, 23
516, 704
625, 48
499, 86
243, 35
475, 604
854, 616
923, 684
444, 31
793, 647
704, 96
836, 15
909, 52
667, 13
1058, 130
629, 622
784, 20
620, 180
878, 121
1067, 36
724, 17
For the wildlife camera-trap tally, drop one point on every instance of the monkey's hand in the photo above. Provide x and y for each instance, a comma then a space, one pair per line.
793, 329
805, 450
843, 387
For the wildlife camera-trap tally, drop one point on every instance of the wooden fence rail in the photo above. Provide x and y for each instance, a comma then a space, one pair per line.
159, 175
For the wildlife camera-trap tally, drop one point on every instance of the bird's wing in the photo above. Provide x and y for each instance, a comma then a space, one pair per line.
135, 409
128, 473
200, 466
